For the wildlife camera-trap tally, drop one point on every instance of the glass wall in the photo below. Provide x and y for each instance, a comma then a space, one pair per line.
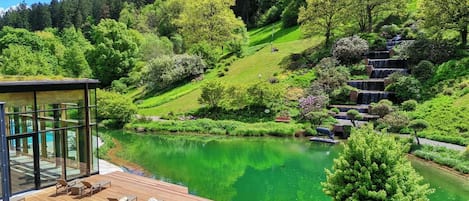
48, 131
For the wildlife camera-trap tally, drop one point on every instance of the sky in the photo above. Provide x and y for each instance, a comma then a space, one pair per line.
8, 3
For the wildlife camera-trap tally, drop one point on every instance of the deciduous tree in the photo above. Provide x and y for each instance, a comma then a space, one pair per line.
447, 15
212, 21
322, 16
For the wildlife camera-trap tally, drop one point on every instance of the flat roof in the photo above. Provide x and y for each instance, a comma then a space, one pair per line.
46, 85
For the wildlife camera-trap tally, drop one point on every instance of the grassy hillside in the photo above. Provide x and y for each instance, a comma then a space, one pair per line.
246, 70
447, 115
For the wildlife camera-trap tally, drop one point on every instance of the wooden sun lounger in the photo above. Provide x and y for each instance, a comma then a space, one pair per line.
96, 186
62, 183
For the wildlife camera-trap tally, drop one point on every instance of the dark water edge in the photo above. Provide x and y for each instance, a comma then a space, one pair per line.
266, 168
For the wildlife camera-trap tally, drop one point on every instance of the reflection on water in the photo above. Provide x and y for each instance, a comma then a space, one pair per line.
229, 168
448, 187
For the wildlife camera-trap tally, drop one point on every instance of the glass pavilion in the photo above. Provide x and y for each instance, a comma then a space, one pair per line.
50, 132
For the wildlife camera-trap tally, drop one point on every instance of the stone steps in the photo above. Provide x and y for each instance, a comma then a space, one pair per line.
366, 116
345, 108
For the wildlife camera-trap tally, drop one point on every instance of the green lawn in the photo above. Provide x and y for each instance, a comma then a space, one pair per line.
263, 35
243, 71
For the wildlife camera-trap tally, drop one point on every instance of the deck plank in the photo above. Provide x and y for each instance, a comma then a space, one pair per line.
123, 184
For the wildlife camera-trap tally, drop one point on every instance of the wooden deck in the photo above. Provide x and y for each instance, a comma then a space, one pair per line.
122, 184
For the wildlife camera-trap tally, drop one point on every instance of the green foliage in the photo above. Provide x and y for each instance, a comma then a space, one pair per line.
375, 41
423, 71
270, 16
209, 53
350, 50
435, 51
373, 167
321, 17
406, 87
447, 15
153, 47
335, 110
332, 78
409, 105
212, 94
164, 71
223, 127
382, 108
354, 115
115, 53
447, 117
273, 33
390, 31
211, 21
115, 109
395, 121
266, 94
443, 156
451, 70
22, 60
290, 14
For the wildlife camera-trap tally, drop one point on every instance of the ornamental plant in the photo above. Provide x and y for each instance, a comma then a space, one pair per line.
350, 50
373, 166
312, 104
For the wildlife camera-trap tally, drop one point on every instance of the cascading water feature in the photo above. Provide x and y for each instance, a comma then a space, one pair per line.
378, 55
371, 84
367, 97
385, 72
388, 63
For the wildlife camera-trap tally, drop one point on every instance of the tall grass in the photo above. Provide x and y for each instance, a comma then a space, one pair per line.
444, 156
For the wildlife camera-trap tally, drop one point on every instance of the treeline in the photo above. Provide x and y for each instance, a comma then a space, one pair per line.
154, 45
83, 13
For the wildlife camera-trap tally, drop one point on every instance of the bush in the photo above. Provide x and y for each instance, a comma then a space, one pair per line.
382, 108
207, 52
444, 156
390, 31
395, 121
406, 87
451, 70
164, 71
212, 94
114, 109
409, 105
312, 104
341, 95
350, 50
423, 71
332, 78
436, 52
375, 41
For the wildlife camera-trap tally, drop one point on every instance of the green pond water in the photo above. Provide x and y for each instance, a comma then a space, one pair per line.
257, 169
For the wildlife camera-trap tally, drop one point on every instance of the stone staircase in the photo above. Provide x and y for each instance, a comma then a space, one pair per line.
379, 67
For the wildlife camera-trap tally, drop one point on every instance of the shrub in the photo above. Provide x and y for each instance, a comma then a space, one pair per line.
382, 108
375, 41
212, 94
390, 31
395, 121
354, 115
115, 109
267, 95
341, 94
409, 105
335, 110
332, 78
312, 104
451, 70
317, 117
163, 71
350, 50
358, 69
373, 167
423, 71
424, 49
406, 87
208, 53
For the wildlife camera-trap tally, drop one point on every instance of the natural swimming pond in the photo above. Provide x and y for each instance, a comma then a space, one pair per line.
244, 169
